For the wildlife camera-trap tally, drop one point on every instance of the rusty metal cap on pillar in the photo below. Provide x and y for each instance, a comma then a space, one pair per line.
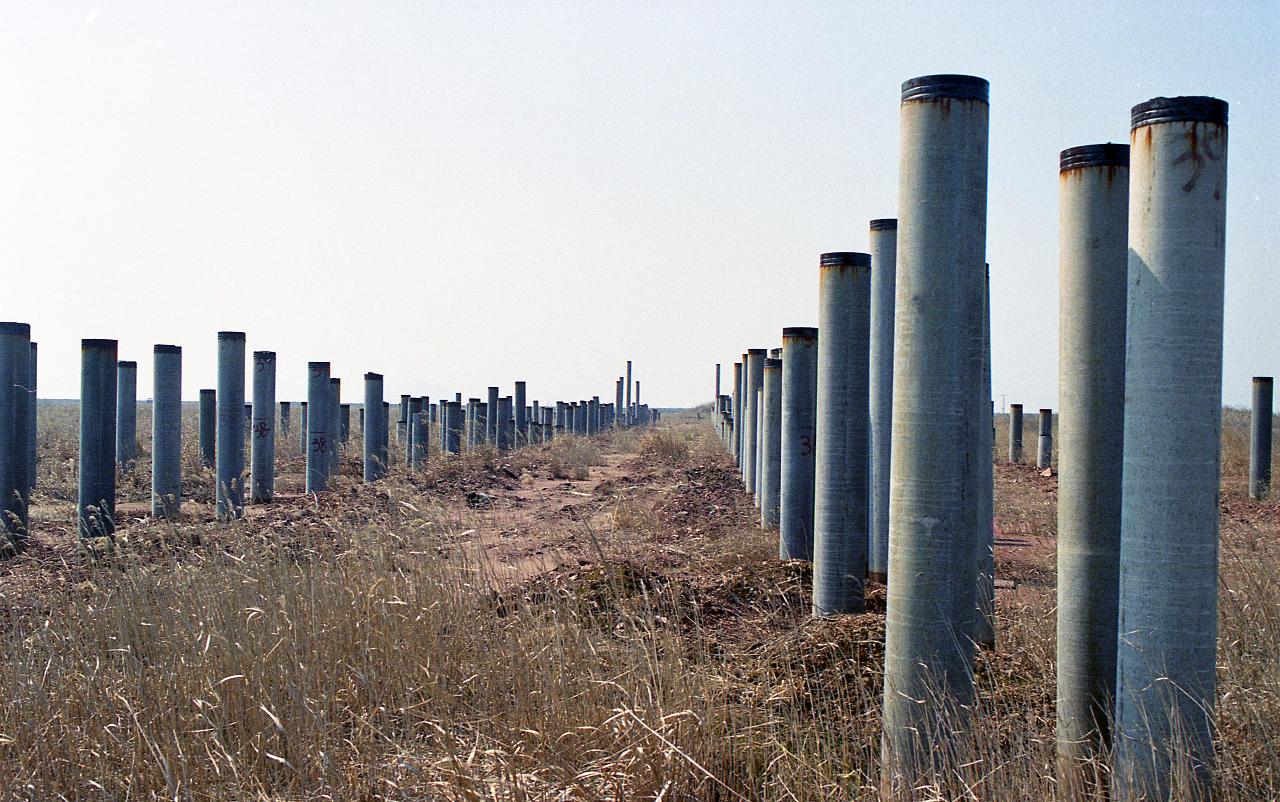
845, 259
935, 87
1191, 109
1108, 154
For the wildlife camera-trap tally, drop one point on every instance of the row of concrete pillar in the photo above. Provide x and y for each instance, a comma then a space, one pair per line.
896, 396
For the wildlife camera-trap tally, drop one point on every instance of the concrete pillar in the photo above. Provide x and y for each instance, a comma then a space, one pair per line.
771, 446
491, 422
419, 432
799, 437
303, 428
208, 428
472, 442
96, 502
15, 419
841, 511
374, 467
630, 418
1044, 451
884, 258
759, 439
1260, 438
982, 615
1165, 674
319, 421
521, 417
262, 433
230, 474
715, 399
344, 421
384, 429
126, 414
753, 381
453, 423
1015, 433
735, 413
415, 406
482, 422
618, 403
1093, 260
166, 431
936, 409
402, 423
285, 421
333, 408
504, 424
32, 418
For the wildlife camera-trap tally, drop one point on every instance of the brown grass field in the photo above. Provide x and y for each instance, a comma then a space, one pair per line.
605, 622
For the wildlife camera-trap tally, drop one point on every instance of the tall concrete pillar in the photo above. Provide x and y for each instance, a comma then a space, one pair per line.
884, 258
715, 399
230, 474
1015, 433
374, 466
491, 422
304, 432
166, 431
344, 422
402, 423
841, 511
285, 418
334, 407
1260, 438
384, 429
630, 420
521, 417
753, 381
982, 616
482, 422
32, 429
1044, 450
15, 419
208, 427
799, 438
1093, 263
262, 433
755, 498
735, 413
618, 403
319, 424
96, 502
771, 443
936, 407
1165, 674
126, 414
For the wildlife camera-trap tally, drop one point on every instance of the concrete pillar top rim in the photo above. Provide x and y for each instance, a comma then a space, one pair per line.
884, 224
1262, 379
956, 87
264, 354
800, 333
845, 259
94, 343
1185, 109
167, 349
231, 335
23, 329
373, 377
126, 363
1106, 154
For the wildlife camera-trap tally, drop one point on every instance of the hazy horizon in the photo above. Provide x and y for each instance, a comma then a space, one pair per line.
460, 195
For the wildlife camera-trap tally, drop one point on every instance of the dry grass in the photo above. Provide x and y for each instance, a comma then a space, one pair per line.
352, 654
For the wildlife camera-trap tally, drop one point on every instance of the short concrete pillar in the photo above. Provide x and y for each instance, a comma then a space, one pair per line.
493, 416
375, 467
415, 406
1166, 670
230, 473
262, 432
884, 258
1260, 438
771, 446
1093, 263
841, 509
126, 414
503, 427
319, 424
937, 409
96, 502
419, 431
482, 423
453, 427
799, 438
285, 419
472, 411
1044, 450
1015, 433
303, 428
344, 421
166, 431
15, 419
208, 428
334, 408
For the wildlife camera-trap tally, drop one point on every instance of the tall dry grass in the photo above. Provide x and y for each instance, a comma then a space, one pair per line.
369, 666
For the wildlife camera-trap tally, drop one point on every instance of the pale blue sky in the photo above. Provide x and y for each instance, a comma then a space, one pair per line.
458, 195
